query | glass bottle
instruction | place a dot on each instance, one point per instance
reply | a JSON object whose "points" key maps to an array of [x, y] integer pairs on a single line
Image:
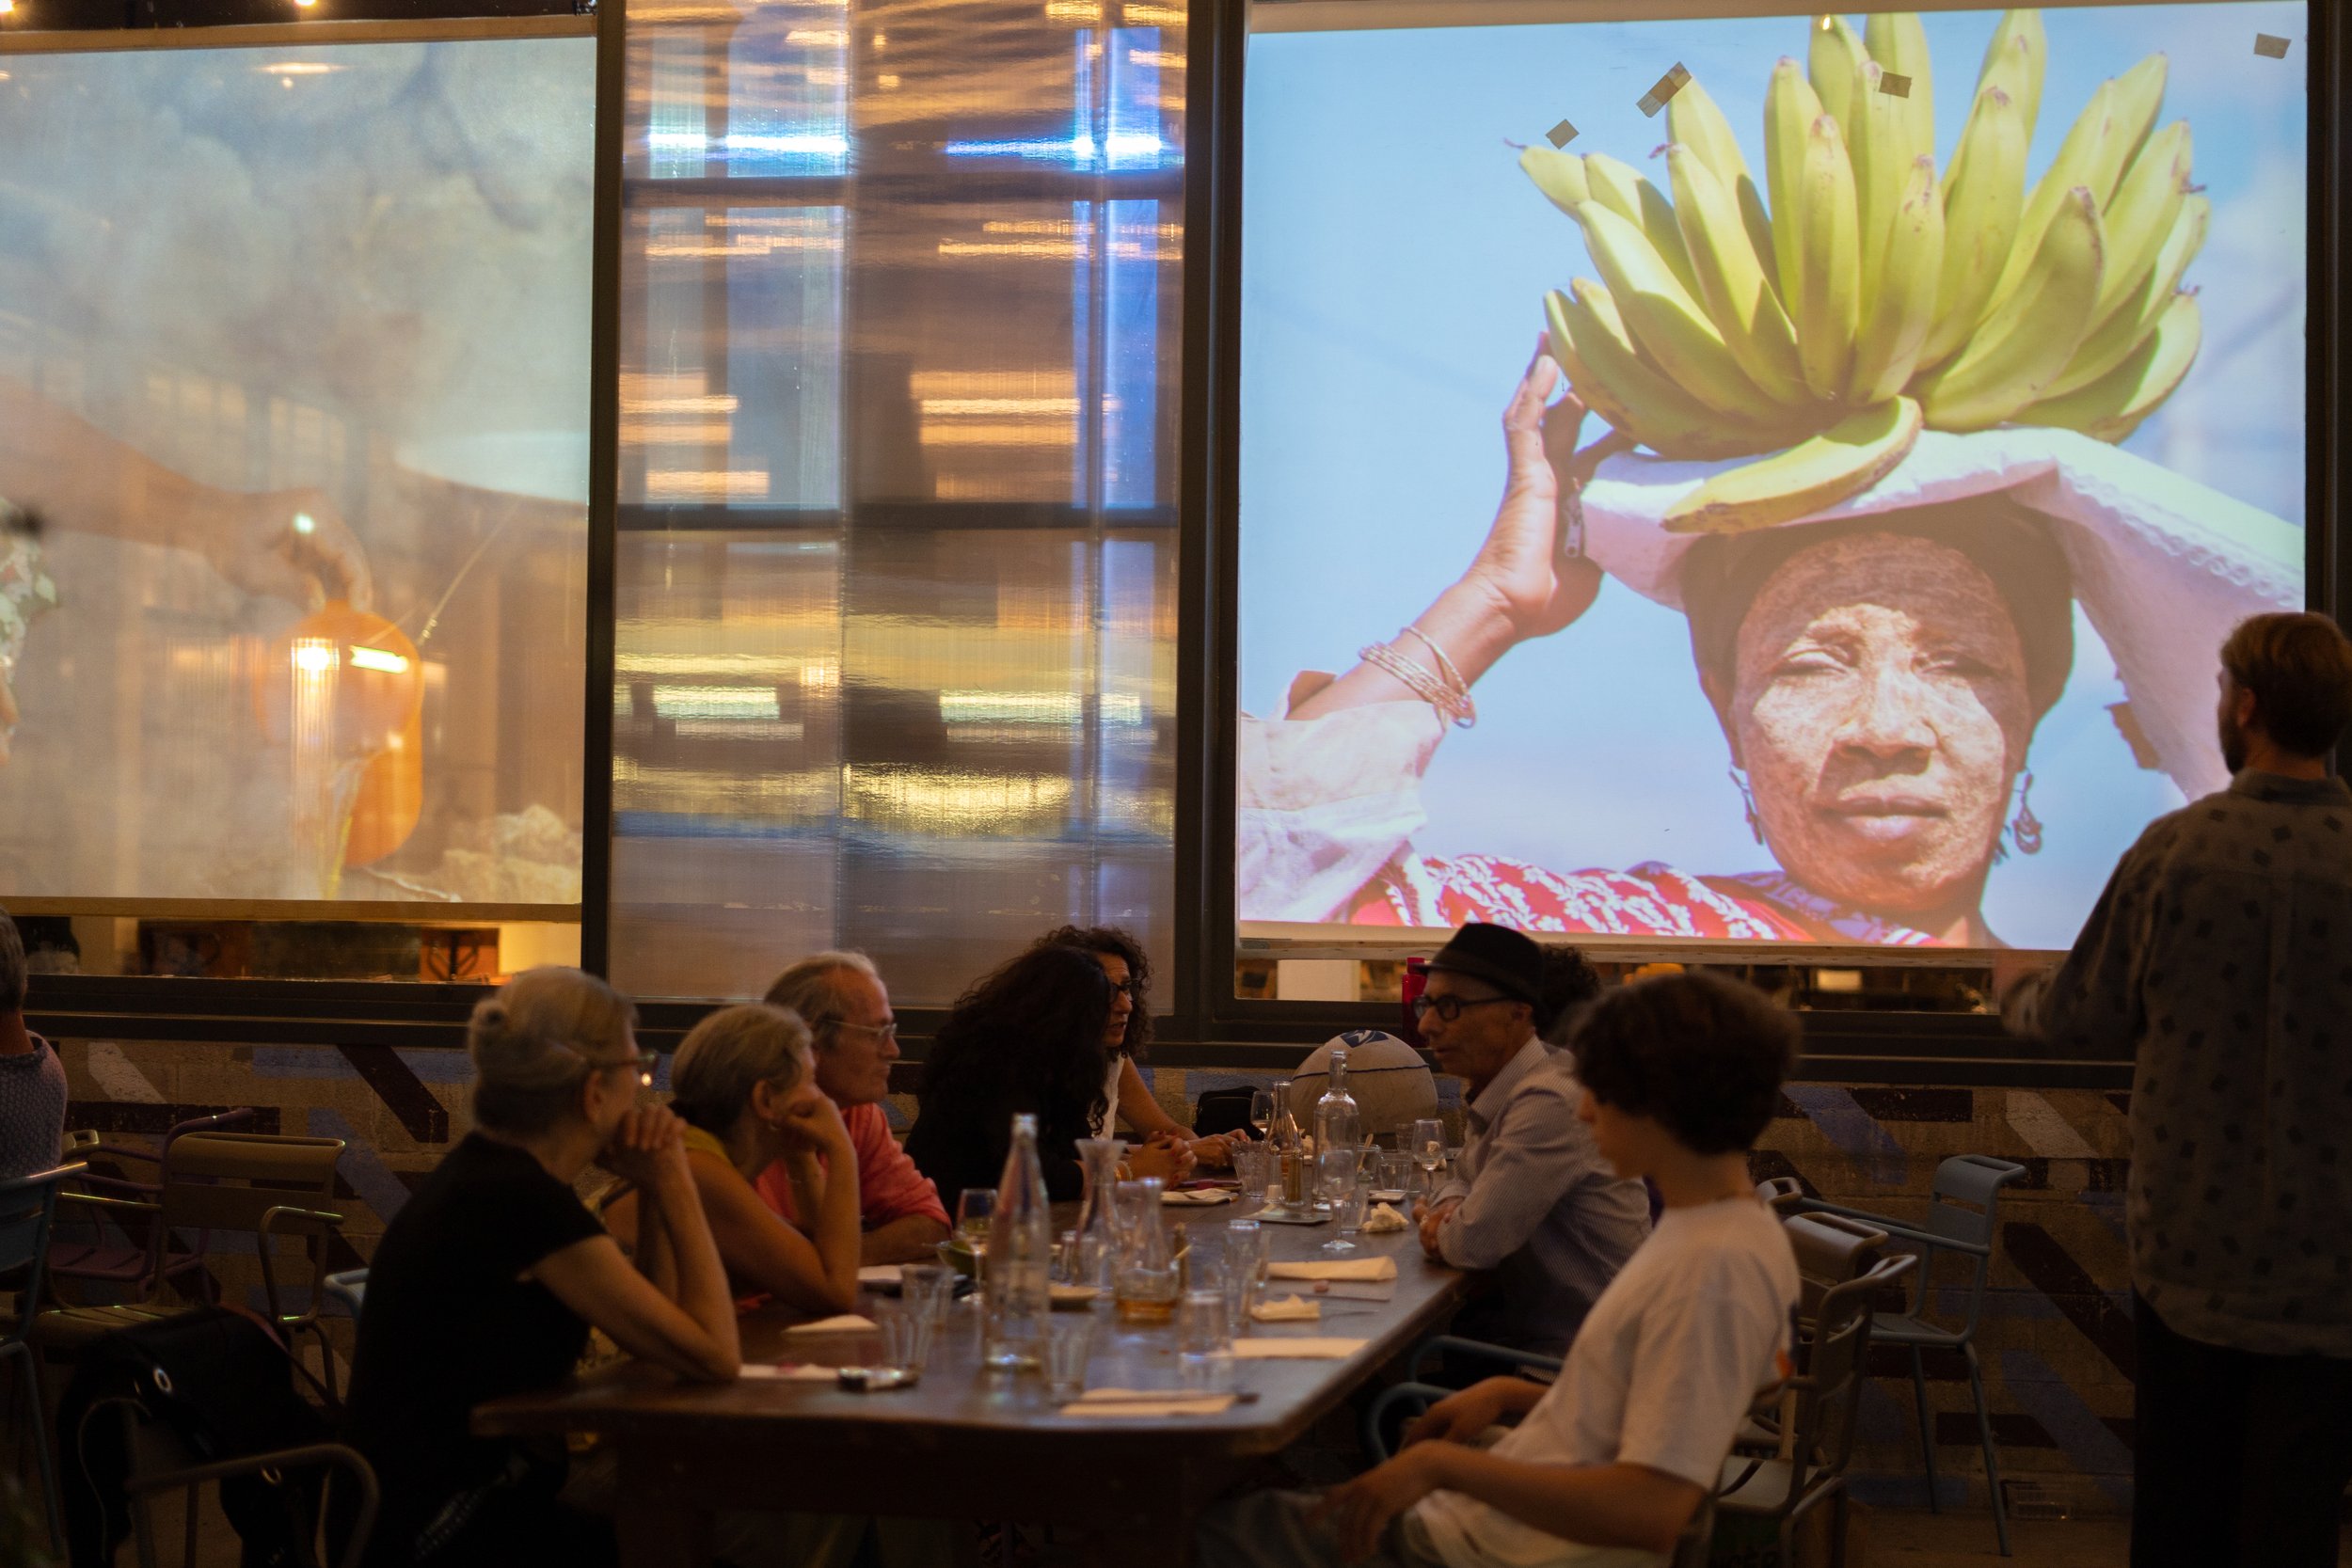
{"points": [[1017, 1293], [1338, 1123], [1148, 1285], [1094, 1255]]}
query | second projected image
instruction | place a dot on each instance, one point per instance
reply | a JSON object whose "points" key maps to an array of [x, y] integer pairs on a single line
{"points": [[1760, 479]]}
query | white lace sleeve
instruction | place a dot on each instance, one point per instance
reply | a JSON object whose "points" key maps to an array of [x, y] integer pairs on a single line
{"points": [[1324, 804]]}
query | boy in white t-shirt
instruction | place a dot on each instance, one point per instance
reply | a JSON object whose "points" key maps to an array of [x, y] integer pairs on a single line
{"points": [[1607, 1464]]}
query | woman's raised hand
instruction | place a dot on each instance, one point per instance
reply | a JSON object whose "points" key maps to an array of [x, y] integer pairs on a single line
{"points": [[812, 1123], [647, 1149], [1519, 564]]}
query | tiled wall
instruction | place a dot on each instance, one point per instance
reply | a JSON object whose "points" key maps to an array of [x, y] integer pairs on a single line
{"points": [[2056, 1340]]}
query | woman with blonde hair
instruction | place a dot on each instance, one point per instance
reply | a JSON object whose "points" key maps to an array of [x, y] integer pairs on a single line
{"points": [[746, 1088], [487, 1283]]}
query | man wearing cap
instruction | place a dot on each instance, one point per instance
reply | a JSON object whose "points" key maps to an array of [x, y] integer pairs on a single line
{"points": [[1531, 1204]]}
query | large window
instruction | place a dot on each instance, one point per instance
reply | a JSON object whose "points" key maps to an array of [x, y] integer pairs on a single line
{"points": [[293, 470], [895, 659]]}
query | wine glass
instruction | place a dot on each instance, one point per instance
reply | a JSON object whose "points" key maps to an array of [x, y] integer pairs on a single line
{"points": [[973, 1208], [1426, 1144], [1262, 1111], [1335, 1184]]}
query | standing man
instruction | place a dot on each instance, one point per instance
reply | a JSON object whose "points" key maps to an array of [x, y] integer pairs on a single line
{"points": [[841, 999], [32, 1080], [1531, 1204], [2220, 955]]}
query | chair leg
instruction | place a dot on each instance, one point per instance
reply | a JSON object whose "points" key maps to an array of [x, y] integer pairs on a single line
{"points": [[1927, 1433], [1984, 1433], [1839, 1518], [43, 1458]]}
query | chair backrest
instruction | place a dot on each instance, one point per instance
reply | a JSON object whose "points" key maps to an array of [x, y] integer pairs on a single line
{"points": [[28, 1209], [1829, 1396], [230, 1181], [1782, 1194], [1831, 1251], [1964, 1200]]}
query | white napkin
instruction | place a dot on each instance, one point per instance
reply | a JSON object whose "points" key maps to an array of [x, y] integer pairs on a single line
{"points": [[1071, 1295], [1382, 1219], [1296, 1350], [848, 1322], [1352, 1268], [792, 1374], [1388, 1195], [879, 1274], [1199, 1196], [1131, 1403], [1287, 1309]]}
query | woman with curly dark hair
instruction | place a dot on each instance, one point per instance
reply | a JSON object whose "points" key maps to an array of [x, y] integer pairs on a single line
{"points": [[1126, 1097], [1027, 1037]]}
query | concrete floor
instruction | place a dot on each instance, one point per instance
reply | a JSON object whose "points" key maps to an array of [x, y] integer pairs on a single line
{"points": [[1885, 1538]]}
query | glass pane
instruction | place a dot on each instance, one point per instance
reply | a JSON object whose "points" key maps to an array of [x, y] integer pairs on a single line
{"points": [[896, 643], [300, 398]]}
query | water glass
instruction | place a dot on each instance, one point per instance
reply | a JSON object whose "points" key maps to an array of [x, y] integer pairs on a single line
{"points": [[1426, 1145], [1257, 1166], [1240, 1280], [1336, 1186], [1068, 1344], [1352, 1205], [928, 1288], [1244, 1249], [906, 1335], [1201, 1333], [974, 1206], [1396, 1172]]}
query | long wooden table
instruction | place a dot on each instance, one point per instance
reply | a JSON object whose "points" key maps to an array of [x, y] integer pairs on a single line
{"points": [[967, 1444]]}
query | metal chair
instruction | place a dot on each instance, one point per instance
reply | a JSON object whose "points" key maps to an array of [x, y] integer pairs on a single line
{"points": [[141, 1258], [271, 1187], [1815, 1430], [1964, 1218], [28, 1207], [350, 1288]]}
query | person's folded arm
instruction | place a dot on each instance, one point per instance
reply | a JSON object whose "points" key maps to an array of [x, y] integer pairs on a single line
{"points": [[1593, 1505], [1539, 1150], [909, 1238], [604, 1288]]}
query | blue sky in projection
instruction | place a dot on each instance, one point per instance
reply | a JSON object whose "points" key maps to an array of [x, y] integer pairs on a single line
{"points": [[1394, 264]]}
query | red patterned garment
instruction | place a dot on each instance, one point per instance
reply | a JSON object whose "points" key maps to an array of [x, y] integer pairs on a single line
{"points": [[1650, 900]]}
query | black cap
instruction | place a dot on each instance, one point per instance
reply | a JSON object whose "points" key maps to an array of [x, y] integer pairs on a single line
{"points": [[1509, 960]]}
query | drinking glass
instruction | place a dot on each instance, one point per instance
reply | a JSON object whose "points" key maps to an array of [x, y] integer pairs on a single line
{"points": [[1240, 1280], [1426, 1144], [1353, 1205], [1255, 1164], [1204, 1342], [1131, 1205], [1335, 1184], [1246, 1247], [906, 1335], [1396, 1175], [1262, 1111], [1068, 1344], [973, 1209], [928, 1288]]}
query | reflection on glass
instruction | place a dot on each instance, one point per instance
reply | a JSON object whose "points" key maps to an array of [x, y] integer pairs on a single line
{"points": [[896, 634], [299, 397]]}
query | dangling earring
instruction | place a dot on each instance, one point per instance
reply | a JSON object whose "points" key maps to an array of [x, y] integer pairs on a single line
{"points": [[2025, 829], [1748, 797]]}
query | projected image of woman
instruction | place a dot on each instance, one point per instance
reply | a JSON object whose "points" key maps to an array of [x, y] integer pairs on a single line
{"points": [[1878, 680]]}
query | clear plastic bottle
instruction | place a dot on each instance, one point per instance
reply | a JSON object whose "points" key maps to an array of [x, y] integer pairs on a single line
{"points": [[1017, 1295]]}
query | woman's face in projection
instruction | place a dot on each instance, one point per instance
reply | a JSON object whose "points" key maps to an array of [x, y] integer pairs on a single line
{"points": [[1882, 711]]}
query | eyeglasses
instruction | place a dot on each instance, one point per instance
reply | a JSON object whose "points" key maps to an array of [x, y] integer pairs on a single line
{"points": [[643, 1062], [886, 1031], [1450, 1007], [1125, 988]]}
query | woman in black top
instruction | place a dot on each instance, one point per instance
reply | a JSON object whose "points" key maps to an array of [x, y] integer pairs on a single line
{"points": [[1027, 1037], [489, 1280]]}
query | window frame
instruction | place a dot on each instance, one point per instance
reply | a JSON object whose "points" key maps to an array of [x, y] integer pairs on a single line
{"points": [[1203, 1024]]}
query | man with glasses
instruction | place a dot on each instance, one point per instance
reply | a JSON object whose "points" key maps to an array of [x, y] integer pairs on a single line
{"points": [[841, 998], [1531, 1205]]}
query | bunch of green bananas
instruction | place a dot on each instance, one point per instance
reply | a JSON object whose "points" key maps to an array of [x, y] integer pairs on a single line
{"points": [[1874, 297]]}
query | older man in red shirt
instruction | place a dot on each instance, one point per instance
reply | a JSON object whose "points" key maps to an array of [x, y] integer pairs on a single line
{"points": [[841, 998]]}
